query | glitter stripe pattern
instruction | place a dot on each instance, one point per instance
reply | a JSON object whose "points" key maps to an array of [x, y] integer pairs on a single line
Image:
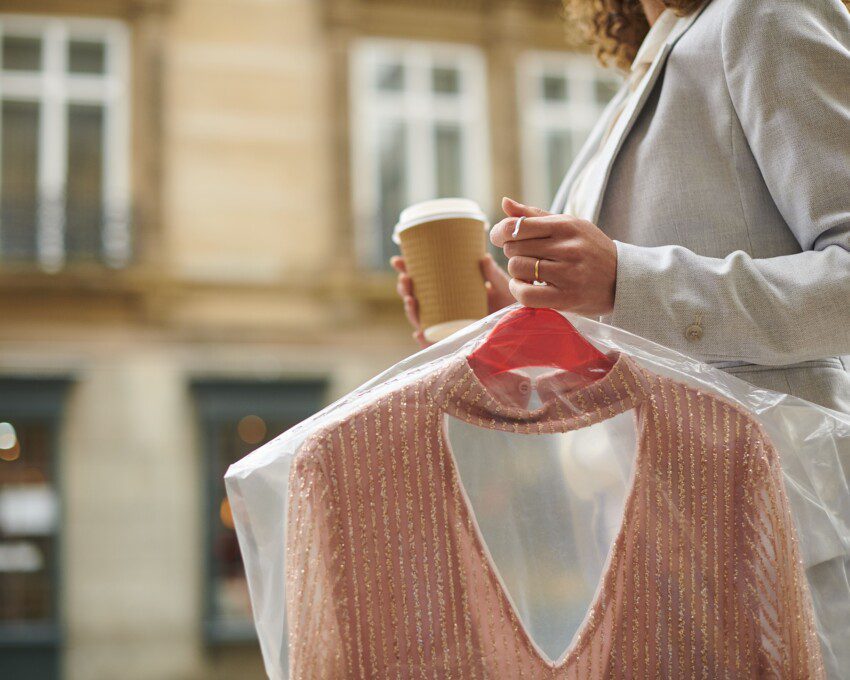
{"points": [[388, 576]]}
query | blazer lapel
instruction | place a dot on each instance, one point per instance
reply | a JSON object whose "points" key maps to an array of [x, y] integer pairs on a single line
{"points": [[598, 179]]}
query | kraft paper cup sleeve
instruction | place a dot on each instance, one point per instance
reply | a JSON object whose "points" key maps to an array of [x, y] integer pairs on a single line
{"points": [[443, 260]]}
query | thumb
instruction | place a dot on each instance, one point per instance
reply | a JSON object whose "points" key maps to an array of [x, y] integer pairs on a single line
{"points": [[513, 208], [492, 272], [497, 283]]}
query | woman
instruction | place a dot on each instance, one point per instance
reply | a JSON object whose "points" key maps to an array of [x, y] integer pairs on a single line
{"points": [[710, 209]]}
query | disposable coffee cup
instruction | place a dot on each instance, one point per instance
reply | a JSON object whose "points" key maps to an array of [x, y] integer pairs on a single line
{"points": [[442, 242]]}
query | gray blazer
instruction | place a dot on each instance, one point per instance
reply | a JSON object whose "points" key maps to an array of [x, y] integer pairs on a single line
{"points": [[729, 196]]}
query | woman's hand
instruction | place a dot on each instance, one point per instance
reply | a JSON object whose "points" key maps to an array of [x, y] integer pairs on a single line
{"points": [[495, 281], [577, 260]]}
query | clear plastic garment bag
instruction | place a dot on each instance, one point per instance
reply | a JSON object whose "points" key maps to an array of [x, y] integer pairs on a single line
{"points": [[544, 496]]}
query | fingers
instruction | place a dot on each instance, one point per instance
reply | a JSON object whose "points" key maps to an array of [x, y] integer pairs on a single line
{"points": [[545, 226], [535, 296], [491, 271], [562, 250], [514, 208], [496, 282], [522, 268], [411, 311], [531, 228], [419, 336], [404, 286], [398, 263]]}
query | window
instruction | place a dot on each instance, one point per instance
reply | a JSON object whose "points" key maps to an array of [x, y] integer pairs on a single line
{"points": [[419, 131], [560, 99], [29, 527], [64, 166], [236, 418]]}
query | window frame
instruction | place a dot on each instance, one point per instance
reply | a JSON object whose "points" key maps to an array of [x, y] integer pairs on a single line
{"points": [[218, 401], [420, 111], [538, 116], [37, 646], [54, 89]]}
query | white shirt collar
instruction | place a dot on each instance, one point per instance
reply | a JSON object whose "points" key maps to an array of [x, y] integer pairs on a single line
{"points": [[655, 39]]}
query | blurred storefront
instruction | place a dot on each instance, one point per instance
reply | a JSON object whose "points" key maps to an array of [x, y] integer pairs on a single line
{"points": [[195, 201]]}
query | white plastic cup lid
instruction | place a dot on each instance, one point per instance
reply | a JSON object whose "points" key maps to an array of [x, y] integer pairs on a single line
{"points": [[438, 209]]}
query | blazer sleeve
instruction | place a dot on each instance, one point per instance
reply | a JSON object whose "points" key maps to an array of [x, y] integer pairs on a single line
{"points": [[787, 67]]}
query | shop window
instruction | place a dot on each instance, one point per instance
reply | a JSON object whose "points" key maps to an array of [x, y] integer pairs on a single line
{"points": [[237, 417], [30, 528]]}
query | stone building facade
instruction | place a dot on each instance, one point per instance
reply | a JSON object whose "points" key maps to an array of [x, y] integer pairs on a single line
{"points": [[194, 204]]}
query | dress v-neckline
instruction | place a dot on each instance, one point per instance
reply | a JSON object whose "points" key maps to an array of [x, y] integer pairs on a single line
{"points": [[474, 393]]}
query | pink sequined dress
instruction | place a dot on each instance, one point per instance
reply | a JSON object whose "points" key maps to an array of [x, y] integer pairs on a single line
{"points": [[388, 575]]}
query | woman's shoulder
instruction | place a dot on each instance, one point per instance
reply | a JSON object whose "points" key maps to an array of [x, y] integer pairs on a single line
{"points": [[772, 23], [760, 38]]}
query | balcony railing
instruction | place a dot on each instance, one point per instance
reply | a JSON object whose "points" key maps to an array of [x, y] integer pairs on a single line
{"points": [[53, 233]]}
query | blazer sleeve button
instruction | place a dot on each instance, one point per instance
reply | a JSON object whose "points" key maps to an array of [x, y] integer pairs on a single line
{"points": [[694, 332]]}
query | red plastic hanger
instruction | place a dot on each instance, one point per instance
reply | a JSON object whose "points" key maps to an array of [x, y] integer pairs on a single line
{"points": [[529, 337]]}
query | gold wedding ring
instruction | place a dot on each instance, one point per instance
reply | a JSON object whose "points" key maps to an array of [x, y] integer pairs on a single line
{"points": [[537, 272]]}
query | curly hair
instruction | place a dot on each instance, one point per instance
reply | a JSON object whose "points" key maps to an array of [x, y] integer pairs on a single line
{"points": [[616, 28]]}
